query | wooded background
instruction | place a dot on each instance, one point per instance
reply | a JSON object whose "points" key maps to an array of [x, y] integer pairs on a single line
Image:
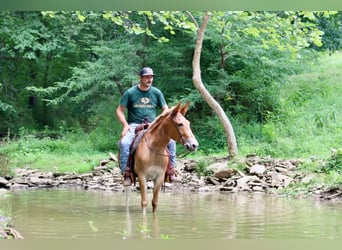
{"points": [[66, 71]]}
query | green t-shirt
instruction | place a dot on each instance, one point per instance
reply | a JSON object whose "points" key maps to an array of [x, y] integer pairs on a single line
{"points": [[141, 104]]}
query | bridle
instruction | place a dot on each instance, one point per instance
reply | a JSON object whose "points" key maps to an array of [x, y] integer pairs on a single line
{"points": [[179, 133], [156, 152]]}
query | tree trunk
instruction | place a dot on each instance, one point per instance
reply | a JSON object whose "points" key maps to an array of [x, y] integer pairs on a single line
{"points": [[197, 80]]}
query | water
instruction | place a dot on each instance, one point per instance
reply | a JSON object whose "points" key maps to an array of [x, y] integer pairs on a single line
{"points": [[71, 213]]}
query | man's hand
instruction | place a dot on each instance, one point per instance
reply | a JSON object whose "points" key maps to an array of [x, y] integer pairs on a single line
{"points": [[124, 131]]}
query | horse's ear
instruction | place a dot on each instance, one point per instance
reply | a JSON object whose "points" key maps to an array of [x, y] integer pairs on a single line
{"points": [[176, 110], [184, 109]]}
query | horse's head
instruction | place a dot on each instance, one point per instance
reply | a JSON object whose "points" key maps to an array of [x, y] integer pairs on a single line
{"points": [[183, 133]]}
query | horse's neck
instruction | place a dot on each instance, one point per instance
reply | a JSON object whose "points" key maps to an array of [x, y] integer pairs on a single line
{"points": [[158, 137]]}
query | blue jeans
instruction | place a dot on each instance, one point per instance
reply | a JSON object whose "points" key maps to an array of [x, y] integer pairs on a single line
{"points": [[126, 141]]}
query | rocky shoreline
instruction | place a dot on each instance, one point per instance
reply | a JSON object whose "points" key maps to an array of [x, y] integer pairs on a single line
{"points": [[252, 174]]}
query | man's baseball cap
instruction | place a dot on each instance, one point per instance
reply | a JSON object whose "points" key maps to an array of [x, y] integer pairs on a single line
{"points": [[146, 71]]}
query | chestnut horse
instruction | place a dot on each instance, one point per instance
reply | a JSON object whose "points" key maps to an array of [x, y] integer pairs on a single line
{"points": [[151, 156]]}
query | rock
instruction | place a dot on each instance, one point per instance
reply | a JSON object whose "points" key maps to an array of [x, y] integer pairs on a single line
{"points": [[190, 166], [9, 233], [307, 179], [257, 169], [213, 180], [251, 174], [104, 162], [281, 170], [201, 183], [257, 188], [280, 180], [334, 195], [3, 182], [70, 177], [230, 183], [242, 183], [86, 176], [204, 189], [16, 186], [225, 188], [113, 157], [251, 160], [224, 174], [217, 166], [100, 168]]}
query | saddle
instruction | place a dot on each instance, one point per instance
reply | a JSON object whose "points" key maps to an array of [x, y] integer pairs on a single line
{"points": [[129, 171]]}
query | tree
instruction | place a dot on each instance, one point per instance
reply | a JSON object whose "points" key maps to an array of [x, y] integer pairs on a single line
{"points": [[261, 31], [197, 80]]}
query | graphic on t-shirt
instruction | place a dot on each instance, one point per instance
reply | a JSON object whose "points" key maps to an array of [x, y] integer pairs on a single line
{"points": [[144, 102]]}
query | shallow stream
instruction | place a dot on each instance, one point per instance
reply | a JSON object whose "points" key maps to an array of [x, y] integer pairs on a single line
{"points": [[73, 213]]}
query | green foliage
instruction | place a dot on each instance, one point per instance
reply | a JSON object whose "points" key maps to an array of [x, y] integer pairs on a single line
{"points": [[169, 20], [4, 107], [308, 120], [5, 212], [201, 169], [92, 226], [4, 165], [334, 162], [332, 27], [166, 237], [319, 173], [210, 135], [76, 65], [104, 130], [72, 152]]}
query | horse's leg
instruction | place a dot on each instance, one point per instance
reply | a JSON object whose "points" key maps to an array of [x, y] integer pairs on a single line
{"points": [[155, 226], [127, 191], [143, 192], [156, 189], [128, 224]]}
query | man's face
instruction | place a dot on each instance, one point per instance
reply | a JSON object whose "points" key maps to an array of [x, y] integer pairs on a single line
{"points": [[146, 80]]}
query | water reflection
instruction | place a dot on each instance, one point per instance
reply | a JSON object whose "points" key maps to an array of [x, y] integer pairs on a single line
{"points": [[103, 215]]}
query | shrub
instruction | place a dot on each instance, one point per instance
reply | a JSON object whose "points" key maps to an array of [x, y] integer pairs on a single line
{"points": [[334, 162]]}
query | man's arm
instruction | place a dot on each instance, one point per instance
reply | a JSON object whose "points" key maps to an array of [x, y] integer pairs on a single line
{"points": [[121, 117], [164, 108]]}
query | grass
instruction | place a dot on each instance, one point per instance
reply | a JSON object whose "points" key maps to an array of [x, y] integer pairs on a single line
{"points": [[308, 122], [73, 153], [5, 212]]}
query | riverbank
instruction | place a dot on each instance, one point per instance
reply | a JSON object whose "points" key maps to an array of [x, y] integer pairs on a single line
{"points": [[214, 174], [250, 174]]}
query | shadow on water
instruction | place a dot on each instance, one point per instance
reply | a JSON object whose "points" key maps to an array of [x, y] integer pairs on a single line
{"points": [[68, 213]]}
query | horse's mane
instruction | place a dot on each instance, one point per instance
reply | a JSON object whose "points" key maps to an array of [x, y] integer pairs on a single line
{"points": [[160, 118]]}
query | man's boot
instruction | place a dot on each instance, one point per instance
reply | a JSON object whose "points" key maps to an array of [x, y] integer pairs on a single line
{"points": [[171, 175], [127, 177]]}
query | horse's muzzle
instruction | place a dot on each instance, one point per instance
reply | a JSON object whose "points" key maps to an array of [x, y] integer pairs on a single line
{"points": [[191, 145]]}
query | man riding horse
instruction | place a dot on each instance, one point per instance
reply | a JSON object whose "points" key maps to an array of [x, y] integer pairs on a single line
{"points": [[141, 102]]}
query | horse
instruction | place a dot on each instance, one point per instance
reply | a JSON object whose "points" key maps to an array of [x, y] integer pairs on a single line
{"points": [[151, 156]]}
